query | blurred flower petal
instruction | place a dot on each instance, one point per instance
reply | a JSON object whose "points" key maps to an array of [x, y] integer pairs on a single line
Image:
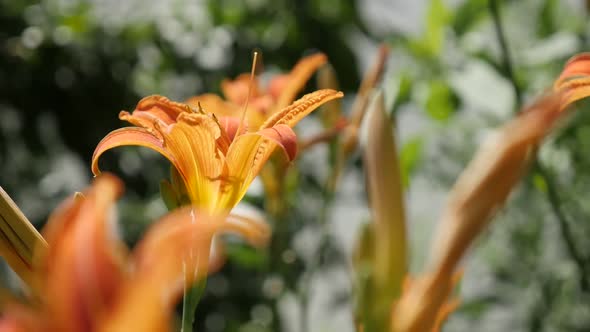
{"points": [[285, 87]]}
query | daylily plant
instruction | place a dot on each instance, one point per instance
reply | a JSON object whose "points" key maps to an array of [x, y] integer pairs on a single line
{"points": [[423, 303], [86, 280], [482, 188], [216, 157], [479, 192]]}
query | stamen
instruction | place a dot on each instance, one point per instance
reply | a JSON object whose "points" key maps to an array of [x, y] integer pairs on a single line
{"points": [[248, 96], [198, 109]]}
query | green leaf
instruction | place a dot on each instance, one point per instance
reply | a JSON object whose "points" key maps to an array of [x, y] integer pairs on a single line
{"points": [[410, 154], [539, 183], [192, 296], [431, 43], [400, 89], [467, 14], [440, 104], [547, 25]]}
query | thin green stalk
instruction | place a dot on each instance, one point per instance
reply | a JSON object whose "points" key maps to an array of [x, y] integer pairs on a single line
{"points": [[564, 226], [506, 58], [192, 295]]}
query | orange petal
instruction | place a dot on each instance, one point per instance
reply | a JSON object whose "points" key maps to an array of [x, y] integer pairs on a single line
{"points": [[18, 318], [576, 92], [155, 110], [292, 114], [284, 136], [82, 269], [193, 143], [577, 66], [253, 228], [574, 80], [230, 125], [489, 178], [212, 103], [285, 88], [178, 243], [480, 191], [246, 156], [236, 91], [424, 305], [129, 136]]}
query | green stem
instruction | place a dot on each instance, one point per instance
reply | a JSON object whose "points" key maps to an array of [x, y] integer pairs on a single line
{"points": [[564, 226], [506, 58], [190, 300]]}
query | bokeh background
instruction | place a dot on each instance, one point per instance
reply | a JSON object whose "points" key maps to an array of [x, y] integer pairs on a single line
{"points": [[67, 67]]}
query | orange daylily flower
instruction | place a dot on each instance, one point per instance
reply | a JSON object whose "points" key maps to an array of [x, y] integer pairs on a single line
{"points": [[482, 188], [215, 161], [86, 281], [574, 80], [263, 102]]}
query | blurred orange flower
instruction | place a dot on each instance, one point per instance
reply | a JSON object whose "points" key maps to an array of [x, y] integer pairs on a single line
{"points": [[216, 163], [87, 281], [263, 102], [482, 188]]}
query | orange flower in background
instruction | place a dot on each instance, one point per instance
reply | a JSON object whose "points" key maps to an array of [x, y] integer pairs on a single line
{"points": [[263, 102], [479, 192], [87, 281], [574, 80], [216, 163]]}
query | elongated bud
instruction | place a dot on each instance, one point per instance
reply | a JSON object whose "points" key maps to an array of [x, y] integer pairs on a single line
{"points": [[384, 187], [388, 263]]}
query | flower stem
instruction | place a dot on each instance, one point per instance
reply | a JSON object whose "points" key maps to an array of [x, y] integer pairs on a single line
{"points": [[506, 58], [564, 226]]}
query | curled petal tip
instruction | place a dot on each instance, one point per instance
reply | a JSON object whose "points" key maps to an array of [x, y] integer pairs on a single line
{"points": [[128, 136], [285, 137]]}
